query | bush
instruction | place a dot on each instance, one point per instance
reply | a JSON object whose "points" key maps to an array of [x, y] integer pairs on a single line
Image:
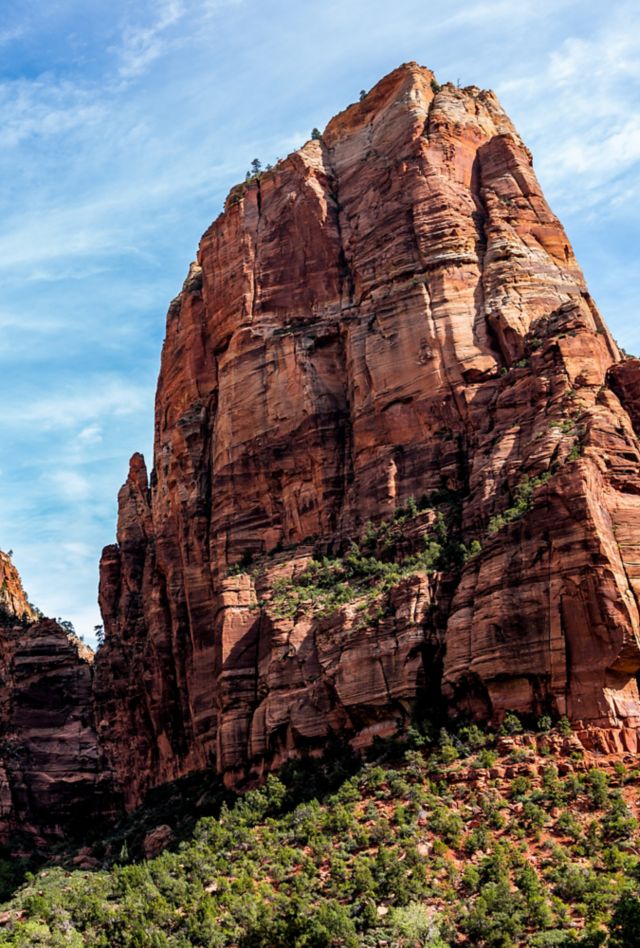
{"points": [[624, 930], [523, 501], [309, 858], [564, 726], [511, 724], [418, 923], [496, 919]]}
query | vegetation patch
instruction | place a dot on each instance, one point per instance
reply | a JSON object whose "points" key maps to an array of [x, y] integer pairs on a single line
{"points": [[471, 839], [523, 501], [372, 567]]}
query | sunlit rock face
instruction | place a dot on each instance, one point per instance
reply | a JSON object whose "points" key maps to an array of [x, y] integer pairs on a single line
{"points": [[13, 599], [393, 311]]}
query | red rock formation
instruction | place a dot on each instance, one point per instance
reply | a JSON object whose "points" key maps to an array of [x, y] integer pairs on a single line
{"points": [[13, 599], [392, 311], [52, 775]]}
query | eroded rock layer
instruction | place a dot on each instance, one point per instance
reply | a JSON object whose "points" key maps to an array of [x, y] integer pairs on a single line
{"points": [[53, 779], [392, 312]]}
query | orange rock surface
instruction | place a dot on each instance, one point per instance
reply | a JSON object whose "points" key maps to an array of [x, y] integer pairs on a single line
{"points": [[13, 599], [393, 311]]}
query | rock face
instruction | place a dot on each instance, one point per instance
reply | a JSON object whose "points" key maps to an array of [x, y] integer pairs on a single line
{"points": [[391, 312], [52, 776], [14, 604]]}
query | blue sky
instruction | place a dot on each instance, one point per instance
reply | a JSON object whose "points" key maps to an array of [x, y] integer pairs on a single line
{"points": [[124, 124]]}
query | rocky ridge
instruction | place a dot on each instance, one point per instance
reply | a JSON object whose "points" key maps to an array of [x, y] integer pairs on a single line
{"points": [[389, 327]]}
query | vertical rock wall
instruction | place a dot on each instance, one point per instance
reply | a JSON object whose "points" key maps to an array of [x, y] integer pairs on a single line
{"points": [[393, 311]]}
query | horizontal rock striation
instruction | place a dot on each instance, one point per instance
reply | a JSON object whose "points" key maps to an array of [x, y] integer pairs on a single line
{"points": [[53, 777], [392, 312]]}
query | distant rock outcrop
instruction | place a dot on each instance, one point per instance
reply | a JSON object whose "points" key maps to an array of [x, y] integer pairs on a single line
{"points": [[52, 777], [14, 604], [392, 312]]}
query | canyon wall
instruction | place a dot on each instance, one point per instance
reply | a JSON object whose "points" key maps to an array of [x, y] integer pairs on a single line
{"points": [[389, 326], [53, 778]]}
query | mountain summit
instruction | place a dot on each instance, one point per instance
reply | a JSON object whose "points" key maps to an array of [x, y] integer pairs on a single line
{"points": [[396, 462]]}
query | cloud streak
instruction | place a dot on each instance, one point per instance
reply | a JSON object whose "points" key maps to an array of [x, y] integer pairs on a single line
{"points": [[142, 45], [119, 141]]}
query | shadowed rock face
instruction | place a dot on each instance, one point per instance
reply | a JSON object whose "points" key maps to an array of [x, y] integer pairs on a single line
{"points": [[392, 311], [52, 777]]}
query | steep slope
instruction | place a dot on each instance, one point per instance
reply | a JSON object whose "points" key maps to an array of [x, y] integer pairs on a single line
{"points": [[505, 841], [389, 327]]}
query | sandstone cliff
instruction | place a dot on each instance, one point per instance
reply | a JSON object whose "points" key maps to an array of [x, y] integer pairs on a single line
{"points": [[386, 339], [52, 776], [14, 605]]}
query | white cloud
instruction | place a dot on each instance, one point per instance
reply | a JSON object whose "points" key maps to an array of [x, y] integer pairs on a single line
{"points": [[44, 107], [580, 112], [92, 434], [70, 485], [97, 398], [8, 36], [142, 45]]}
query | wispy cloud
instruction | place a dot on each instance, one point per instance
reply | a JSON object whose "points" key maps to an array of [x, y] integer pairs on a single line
{"points": [[43, 108], [64, 410], [142, 44], [582, 108], [118, 141], [10, 35]]}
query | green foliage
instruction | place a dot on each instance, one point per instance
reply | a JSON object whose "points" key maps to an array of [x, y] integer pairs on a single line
{"points": [[328, 583], [486, 758], [618, 822], [420, 851], [564, 726], [523, 501], [625, 924], [496, 918], [417, 924], [575, 453], [511, 724], [472, 550], [597, 783]]}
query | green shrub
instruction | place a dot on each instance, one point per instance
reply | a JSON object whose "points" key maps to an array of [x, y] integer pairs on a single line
{"points": [[624, 929], [523, 502], [511, 724], [496, 918], [417, 923], [564, 726]]}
